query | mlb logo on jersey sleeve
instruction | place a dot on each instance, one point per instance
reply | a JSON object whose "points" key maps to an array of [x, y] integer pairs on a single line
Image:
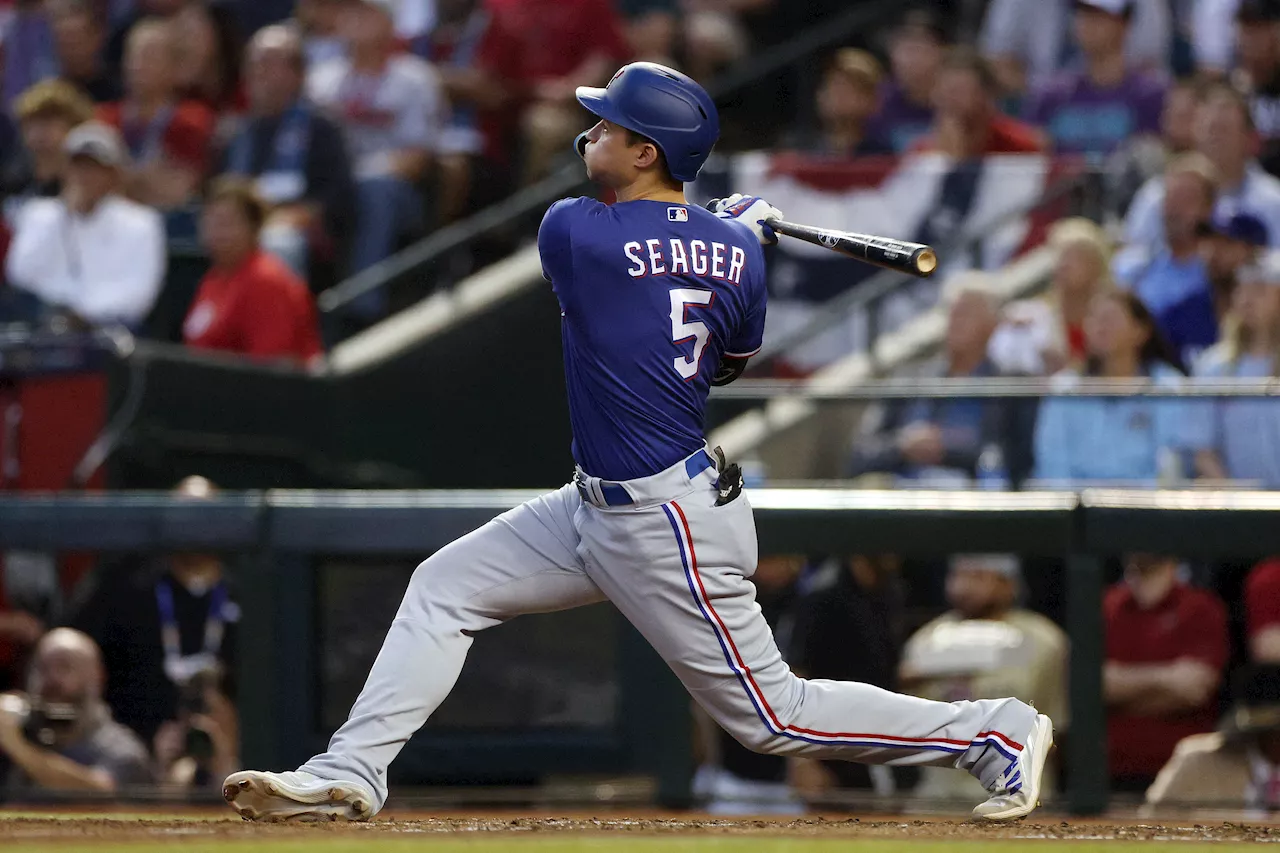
{"points": [[677, 214]]}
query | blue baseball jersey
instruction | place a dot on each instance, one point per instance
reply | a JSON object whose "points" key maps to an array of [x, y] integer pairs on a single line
{"points": [[652, 295]]}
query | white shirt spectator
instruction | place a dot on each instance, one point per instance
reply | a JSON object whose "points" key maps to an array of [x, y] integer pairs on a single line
{"points": [[107, 267], [404, 107], [1258, 194], [1038, 32]]}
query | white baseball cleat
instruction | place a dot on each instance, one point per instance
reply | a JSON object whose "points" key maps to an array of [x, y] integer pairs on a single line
{"points": [[1018, 792], [295, 795]]}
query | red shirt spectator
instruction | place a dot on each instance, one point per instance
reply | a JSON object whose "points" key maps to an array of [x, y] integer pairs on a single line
{"points": [[967, 121], [1262, 611], [260, 309], [181, 132], [249, 302], [1164, 662]]}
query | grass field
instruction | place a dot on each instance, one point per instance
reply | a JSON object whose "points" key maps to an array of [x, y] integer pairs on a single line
{"points": [[209, 832]]}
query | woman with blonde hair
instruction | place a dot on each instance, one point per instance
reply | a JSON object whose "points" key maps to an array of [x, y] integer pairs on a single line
{"points": [[1046, 335], [1239, 438]]}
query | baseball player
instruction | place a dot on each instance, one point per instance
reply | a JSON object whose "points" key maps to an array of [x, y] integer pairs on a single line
{"points": [[660, 300]]}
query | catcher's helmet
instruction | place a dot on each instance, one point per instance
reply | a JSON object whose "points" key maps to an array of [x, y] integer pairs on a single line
{"points": [[661, 103]]}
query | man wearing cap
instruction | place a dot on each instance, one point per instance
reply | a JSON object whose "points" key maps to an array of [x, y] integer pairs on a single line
{"points": [[1236, 767], [1105, 103], [90, 253], [1227, 245], [985, 646], [1238, 438], [1028, 41], [916, 50], [845, 101]]}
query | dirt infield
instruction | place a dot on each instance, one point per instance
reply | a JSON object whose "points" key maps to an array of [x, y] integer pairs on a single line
{"points": [[61, 830]]}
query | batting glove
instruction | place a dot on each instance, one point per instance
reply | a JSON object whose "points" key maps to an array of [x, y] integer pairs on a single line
{"points": [[752, 212]]}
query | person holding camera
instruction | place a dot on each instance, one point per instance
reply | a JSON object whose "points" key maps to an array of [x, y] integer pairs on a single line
{"points": [[59, 734], [167, 628]]}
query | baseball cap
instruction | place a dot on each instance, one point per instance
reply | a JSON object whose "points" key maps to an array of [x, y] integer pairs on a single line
{"points": [[858, 65], [1111, 7], [97, 141], [1265, 270], [1258, 11], [1244, 227]]}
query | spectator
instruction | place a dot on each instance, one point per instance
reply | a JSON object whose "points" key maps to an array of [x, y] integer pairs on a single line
{"points": [[983, 648], [1166, 646], [168, 139], [1225, 135], [249, 302], [90, 253], [295, 154], [478, 63], [210, 46], [563, 44], [938, 439], [1237, 766], [1173, 280], [916, 50], [1106, 103], [59, 736], [1227, 246], [392, 111], [1039, 337], [845, 101], [167, 629], [46, 114], [79, 37], [1258, 48], [1028, 40], [125, 21], [715, 34], [1239, 438], [27, 53], [1081, 439], [1262, 611], [967, 123]]}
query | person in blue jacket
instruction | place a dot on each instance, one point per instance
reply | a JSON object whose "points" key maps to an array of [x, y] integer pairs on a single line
{"points": [[1117, 440]]}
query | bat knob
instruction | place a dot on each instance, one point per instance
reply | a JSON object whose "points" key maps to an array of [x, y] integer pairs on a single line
{"points": [[711, 205]]}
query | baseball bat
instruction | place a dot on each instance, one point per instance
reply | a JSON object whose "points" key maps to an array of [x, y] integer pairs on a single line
{"points": [[913, 258]]}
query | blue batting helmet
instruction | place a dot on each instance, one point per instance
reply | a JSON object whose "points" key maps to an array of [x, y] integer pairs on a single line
{"points": [[666, 106]]}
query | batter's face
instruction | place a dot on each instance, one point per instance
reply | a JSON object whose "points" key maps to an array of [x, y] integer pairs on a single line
{"points": [[612, 158]]}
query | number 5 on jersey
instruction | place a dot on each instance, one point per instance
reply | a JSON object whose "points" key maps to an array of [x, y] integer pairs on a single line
{"points": [[683, 331]]}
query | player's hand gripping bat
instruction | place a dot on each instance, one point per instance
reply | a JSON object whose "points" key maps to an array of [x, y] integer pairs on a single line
{"points": [[913, 258]]}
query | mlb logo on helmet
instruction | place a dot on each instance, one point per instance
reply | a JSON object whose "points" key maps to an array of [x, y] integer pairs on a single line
{"points": [[677, 214]]}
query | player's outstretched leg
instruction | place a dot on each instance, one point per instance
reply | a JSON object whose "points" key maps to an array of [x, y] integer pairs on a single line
{"points": [[677, 572], [524, 561]]}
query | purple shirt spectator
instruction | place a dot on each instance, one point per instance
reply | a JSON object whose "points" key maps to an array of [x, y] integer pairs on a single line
{"points": [[1083, 118], [28, 50], [899, 122]]}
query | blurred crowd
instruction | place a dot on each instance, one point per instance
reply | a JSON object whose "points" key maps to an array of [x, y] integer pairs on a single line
{"points": [[286, 147]]}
